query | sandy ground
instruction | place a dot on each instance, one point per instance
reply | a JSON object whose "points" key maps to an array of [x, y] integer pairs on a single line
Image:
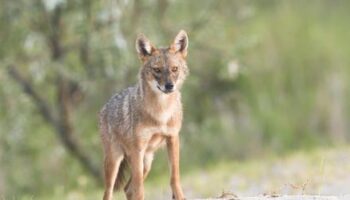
{"points": [[293, 197], [321, 172]]}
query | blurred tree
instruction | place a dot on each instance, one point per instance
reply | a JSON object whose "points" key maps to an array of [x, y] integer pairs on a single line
{"points": [[266, 76]]}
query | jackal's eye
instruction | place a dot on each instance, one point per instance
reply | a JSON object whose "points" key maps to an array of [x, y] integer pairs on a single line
{"points": [[174, 69], [157, 70]]}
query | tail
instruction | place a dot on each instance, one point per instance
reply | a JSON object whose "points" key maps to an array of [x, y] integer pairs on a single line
{"points": [[121, 177]]}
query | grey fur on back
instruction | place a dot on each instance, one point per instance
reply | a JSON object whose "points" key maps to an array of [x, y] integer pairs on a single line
{"points": [[121, 110]]}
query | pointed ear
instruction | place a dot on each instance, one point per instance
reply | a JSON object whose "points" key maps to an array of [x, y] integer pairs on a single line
{"points": [[144, 47], [180, 43]]}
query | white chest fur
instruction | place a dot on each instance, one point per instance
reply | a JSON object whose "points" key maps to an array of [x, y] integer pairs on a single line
{"points": [[164, 110], [164, 116]]}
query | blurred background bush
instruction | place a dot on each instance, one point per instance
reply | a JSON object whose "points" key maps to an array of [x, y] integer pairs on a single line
{"points": [[267, 77]]}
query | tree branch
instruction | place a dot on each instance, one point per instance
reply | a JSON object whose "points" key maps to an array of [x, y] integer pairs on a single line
{"points": [[62, 125], [27, 87]]}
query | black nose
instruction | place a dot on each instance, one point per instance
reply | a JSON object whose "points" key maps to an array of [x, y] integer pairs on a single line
{"points": [[169, 86]]}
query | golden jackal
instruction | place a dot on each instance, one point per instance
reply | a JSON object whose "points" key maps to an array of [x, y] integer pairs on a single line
{"points": [[138, 120]]}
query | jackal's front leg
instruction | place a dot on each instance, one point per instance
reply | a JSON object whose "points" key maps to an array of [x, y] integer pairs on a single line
{"points": [[135, 189], [174, 157]]}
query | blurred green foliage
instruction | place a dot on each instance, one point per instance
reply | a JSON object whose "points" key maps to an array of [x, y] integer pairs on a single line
{"points": [[266, 76]]}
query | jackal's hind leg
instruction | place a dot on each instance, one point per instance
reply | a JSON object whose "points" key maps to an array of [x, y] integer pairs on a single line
{"points": [[147, 164]]}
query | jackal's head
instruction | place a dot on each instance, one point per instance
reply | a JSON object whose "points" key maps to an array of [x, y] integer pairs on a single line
{"points": [[164, 69]]}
